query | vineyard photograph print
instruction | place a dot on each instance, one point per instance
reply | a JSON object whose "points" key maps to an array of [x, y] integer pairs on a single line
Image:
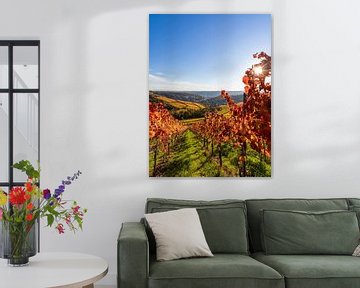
{"points": [[210, 95]]}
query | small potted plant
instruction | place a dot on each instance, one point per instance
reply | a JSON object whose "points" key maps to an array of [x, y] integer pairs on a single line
{"points": [[21, 208]]}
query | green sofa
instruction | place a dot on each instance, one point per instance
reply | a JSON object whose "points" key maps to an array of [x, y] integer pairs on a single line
{"points": [[233, 230]]}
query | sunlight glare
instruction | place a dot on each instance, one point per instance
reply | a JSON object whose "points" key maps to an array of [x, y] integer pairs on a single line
{"points": [[258, 70]]}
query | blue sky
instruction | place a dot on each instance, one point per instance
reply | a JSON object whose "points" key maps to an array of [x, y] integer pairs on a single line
{"points": [[204, 51]]}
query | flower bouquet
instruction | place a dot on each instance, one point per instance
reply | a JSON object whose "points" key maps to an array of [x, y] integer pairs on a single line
{"points": [[21, 208]]}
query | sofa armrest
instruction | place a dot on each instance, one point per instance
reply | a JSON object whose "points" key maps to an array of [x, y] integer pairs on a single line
{"points": [[133, 256]]}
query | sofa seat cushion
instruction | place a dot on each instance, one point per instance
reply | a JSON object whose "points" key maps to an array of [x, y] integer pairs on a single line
{"points": [[313, 271], [222, 270]]}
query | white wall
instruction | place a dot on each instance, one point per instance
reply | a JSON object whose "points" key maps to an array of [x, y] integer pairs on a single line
{"points": [[94, 105]]}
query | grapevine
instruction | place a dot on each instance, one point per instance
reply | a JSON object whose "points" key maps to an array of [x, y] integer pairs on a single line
{"points": [[252, 117], [163, 130]]}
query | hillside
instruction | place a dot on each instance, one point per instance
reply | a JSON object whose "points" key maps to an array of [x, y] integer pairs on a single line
{"points": [[179, 104], [178, 108], [205, 98], [183, 96], [190, 111], [217, 101]]}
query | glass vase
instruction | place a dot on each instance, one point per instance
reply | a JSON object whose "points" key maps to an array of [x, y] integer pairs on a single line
{"points": [[18, 242]]}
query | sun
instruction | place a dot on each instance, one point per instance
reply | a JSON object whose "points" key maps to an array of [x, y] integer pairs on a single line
{"points": [[258, 70]]}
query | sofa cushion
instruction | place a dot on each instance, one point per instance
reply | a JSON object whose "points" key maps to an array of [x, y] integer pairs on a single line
{"points": [[254, 207], [222, 270], [223, 221], [314, 271], [353, 201], [178, 234], [297, 232], [354, 205], [356, 209]]}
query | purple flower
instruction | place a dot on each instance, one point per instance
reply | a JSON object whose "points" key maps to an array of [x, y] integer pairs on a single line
{"points": [[64, 183], [58, 192], [46, 194]]}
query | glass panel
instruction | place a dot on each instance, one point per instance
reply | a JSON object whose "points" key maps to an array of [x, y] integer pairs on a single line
{"points": [[4, 67], [4, 137], [5, 189], [25, 67], [26, 130]]}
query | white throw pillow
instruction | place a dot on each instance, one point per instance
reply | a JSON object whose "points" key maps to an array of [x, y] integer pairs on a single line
{"points": [[178, 234], [357, 251]]}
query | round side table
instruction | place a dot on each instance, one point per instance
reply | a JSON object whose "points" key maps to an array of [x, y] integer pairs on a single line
{"points": [[50, 270]]}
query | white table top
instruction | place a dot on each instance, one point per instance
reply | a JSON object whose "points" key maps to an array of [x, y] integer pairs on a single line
{"points": [[68, 270]]}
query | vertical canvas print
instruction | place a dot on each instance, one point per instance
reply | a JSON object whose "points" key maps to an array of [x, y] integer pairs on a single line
{"points": [[210, 95]]}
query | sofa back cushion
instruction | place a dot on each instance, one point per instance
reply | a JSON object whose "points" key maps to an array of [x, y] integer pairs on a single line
{"points": [[223, 221], [298, 232], [353, 201], [354, 205], [255, 206]]}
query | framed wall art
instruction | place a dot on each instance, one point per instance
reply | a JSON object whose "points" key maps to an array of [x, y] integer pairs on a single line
{"points": [[210, 95]]}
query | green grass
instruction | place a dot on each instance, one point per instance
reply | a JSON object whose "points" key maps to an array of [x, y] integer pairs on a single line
{"points": [[188, 158], [254, 166]]}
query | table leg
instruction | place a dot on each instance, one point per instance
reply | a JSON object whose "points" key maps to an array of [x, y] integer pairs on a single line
{"points": [[89, 286]]}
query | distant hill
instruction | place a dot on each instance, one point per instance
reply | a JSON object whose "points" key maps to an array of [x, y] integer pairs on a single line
{"points": [[178, 108], [179, 95], [185, 105], [212, 94], [219, 100], [207, 98], [171, 103]]}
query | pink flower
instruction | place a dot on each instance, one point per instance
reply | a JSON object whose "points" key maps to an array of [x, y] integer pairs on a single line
{"points": [[68, 219], [1, 212], [60, 228], [75, 209]]}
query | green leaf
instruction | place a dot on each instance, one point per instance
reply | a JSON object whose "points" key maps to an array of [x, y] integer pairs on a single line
{"points": [[52, 211], [26, 167], [79, 221], [50, 219]]}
